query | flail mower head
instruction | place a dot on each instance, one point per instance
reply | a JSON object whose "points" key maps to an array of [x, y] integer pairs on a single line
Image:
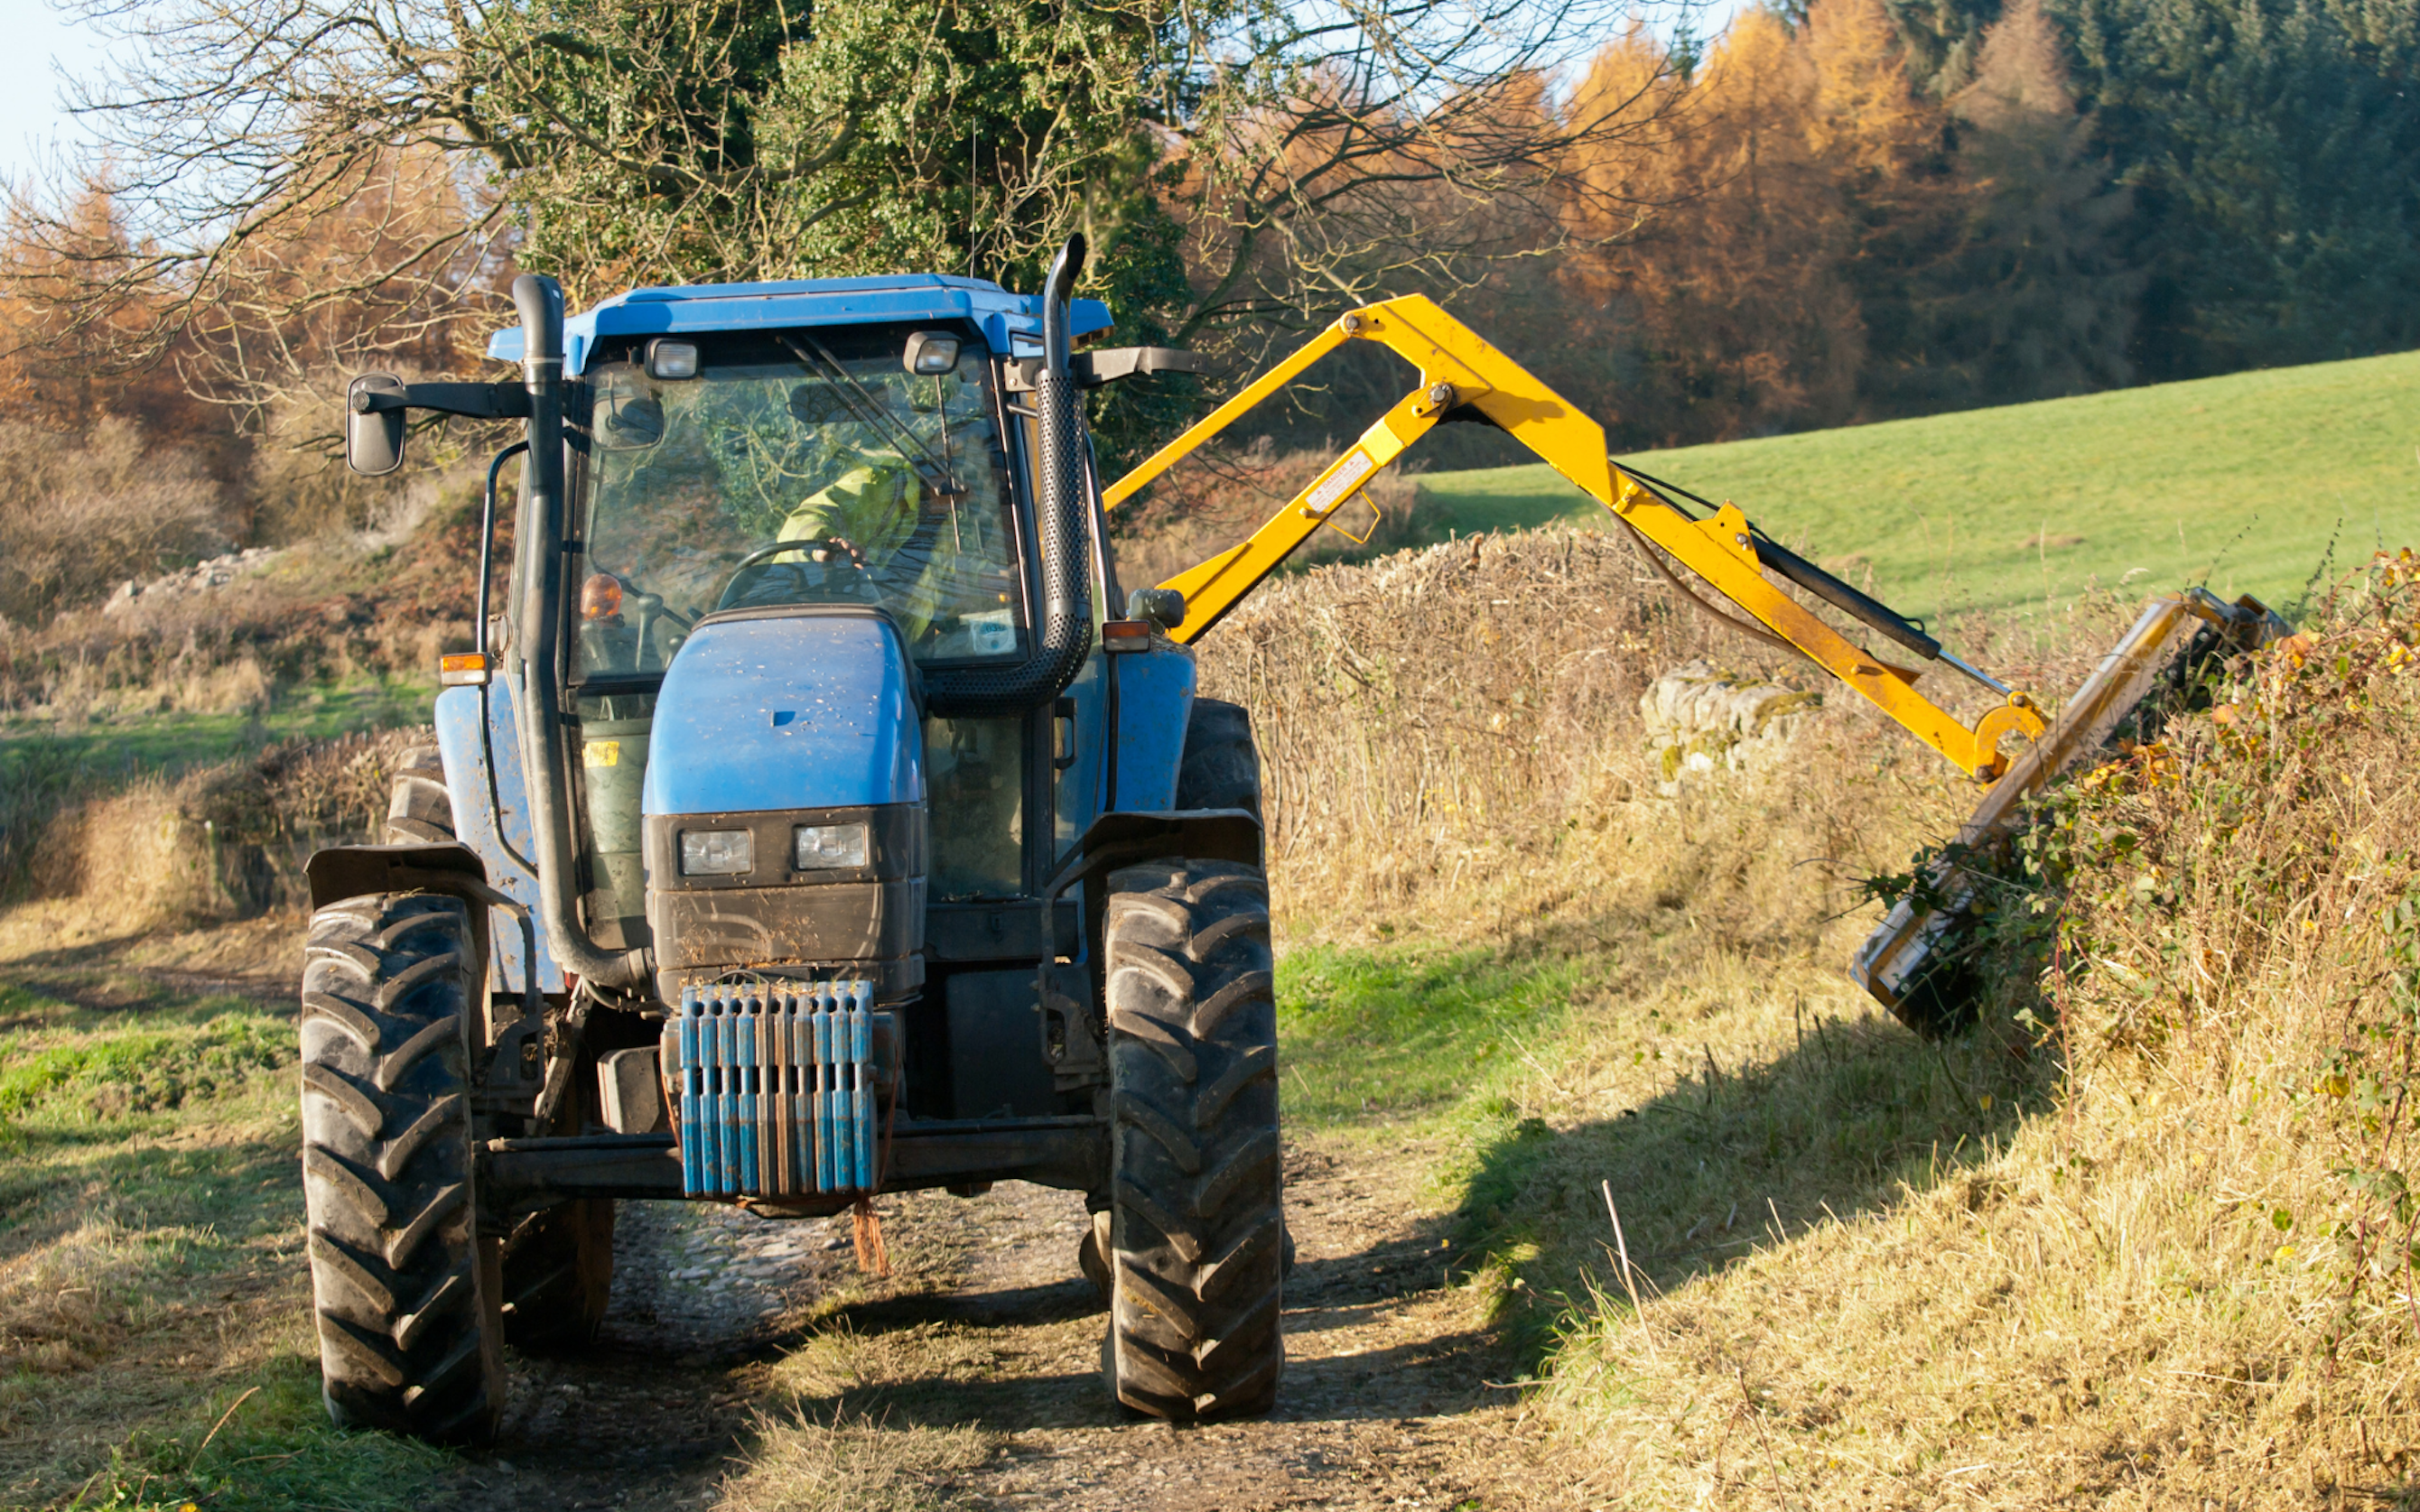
{"points": [[1919, 962]]}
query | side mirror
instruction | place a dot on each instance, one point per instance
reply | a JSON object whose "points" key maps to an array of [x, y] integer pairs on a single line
{"points": [[1163, 606], [374, 431]]}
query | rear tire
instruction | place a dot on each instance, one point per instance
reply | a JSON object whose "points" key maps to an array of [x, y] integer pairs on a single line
{"points": [[1196, 1237], [407, 1311], [419, 810], [1220, 768]]}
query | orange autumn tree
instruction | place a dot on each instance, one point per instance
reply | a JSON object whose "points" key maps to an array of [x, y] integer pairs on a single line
{"points": [[1728, 282], [67, 321], [1823, 243]]}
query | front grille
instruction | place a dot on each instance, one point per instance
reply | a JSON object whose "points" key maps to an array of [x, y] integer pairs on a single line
{"points": [[777, 1089]]}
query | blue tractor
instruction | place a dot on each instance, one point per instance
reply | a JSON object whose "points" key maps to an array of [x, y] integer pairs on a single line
{"points": [[807, 824]]}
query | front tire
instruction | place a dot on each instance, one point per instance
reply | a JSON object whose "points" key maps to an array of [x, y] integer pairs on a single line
{"points": [[1196, 1232], [406, 1303], [558, 1271]]}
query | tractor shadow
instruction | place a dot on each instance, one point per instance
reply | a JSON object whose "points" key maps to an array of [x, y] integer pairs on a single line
{"points": [[1025, 1358], [1731, 1161], [1391, 1314], [1013, 1341]]}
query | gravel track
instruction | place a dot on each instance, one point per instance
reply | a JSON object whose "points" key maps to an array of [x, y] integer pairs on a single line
{"points": [[721, 1322]]}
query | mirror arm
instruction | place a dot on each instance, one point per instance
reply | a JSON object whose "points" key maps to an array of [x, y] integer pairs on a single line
{"points": [[479, 401], [1092, 369]]}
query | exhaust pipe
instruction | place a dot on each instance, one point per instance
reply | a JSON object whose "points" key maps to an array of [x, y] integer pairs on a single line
{"points": [[539, 640], [1066, 637]]}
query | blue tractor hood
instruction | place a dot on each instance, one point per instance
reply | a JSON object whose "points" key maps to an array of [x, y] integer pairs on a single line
{"points": [[791, 710]]}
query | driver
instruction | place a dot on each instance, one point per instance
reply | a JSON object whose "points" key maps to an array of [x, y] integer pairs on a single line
{"points": [[871, 507], [871, 510]]}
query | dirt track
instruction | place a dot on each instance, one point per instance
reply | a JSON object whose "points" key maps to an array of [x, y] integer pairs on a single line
{"points": [[721, 1323]]}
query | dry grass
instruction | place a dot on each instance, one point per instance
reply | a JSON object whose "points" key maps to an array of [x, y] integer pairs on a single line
{"points": [[2144, 1239], [854, 1465], [225, 841], [319, 617], [78, 513], [379, 593], [1451, 740], [70, 1304], [2169, 1267]]}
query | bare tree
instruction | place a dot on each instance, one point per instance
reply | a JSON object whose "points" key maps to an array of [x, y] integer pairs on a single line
{"points": [[1339, 152], [318, 183]]}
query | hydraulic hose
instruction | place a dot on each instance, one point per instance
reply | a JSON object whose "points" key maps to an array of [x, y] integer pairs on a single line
{"points": [[543, 557], [1066, 637]]}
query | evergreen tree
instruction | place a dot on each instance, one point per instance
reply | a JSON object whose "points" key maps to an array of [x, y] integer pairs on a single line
{"points": [[1887, 147], [2039, 300], [2275, 150], [735, 144], [1941, 41]]}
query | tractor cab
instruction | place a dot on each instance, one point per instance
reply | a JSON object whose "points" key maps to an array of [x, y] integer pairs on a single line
{"points": [[805, 579]]}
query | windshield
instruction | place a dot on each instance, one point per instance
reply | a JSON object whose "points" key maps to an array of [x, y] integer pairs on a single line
{"points": [[811, 468]]}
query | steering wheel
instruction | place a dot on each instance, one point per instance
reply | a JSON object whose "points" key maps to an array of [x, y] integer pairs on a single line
{"points": [[828, 542], [839, 550]]}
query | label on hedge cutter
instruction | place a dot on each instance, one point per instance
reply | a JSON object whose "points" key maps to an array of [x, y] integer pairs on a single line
{"points": [[1339, 484]]}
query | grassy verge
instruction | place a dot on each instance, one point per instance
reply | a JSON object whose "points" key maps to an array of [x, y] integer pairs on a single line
{"points": [[1410, 1030], [2248, 479], [153, 1348], [1725, 1099], [164, 742], [2146, 1238], [2143, 1239]]}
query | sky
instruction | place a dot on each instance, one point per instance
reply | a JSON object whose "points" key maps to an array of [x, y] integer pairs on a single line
{"points": [[40, 43]]}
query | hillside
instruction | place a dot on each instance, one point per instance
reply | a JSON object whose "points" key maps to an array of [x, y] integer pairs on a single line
{"points": [[2141, 1239], [2247, 480], [2143, 1236]]}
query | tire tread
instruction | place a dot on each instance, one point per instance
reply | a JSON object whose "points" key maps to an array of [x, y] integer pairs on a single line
{"points": [[409, 1339], [1196, 1196]]}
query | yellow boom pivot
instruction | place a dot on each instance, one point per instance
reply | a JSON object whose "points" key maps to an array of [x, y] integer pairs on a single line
{"points": [[1458, 368]]}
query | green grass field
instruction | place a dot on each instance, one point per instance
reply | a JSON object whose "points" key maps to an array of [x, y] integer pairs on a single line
{"points": [[2244, 482]]}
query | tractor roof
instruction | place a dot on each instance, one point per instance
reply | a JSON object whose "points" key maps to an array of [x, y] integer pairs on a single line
{"points": [[1010, 323]]}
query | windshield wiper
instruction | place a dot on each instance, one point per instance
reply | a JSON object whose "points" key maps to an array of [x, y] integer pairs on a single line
{"points": [[870, 410]]}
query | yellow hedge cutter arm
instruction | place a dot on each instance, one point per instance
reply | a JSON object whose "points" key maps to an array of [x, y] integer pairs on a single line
{"points": [[1457, 368], [1913, 963]]}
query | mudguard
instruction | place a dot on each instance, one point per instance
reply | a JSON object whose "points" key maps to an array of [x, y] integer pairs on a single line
{"points": [[1155, 699], [491, 813], [337, 872]]}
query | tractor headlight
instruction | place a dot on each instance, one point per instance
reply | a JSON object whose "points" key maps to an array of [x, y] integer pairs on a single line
{"points": [[930, 352], [672, 359], [707, 852], [831, 847]]}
